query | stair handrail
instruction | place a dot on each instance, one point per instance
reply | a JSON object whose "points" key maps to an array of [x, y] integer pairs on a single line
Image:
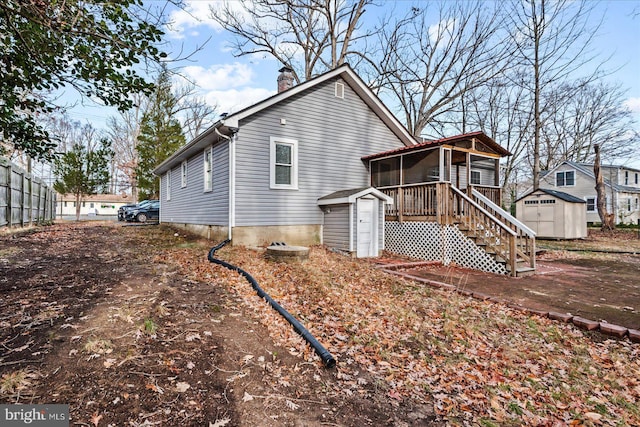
{"points": [[506, 215], [484, 211]]}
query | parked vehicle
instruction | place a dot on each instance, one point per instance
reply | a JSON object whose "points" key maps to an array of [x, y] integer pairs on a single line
{"points": [[144, 211], [123, 209]]}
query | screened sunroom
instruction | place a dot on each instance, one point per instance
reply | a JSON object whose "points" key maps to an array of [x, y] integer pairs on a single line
{"points": [[419, 178]]}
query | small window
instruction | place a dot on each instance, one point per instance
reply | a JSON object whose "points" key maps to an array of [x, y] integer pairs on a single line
{"points": [[548, 202], [636, 178], [565, 179], [637, 204], [475, 177], [629, 204], [91, 205], [339, 90], [284, 163], [626, 177], [591, 204], [530, 202], [168, 178], [84, 204], [183, 174], [208, 169], [65, 204]]}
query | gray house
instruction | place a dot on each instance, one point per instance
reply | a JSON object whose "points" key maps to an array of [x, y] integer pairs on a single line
{"points": [[622, 188], [271, 172]]}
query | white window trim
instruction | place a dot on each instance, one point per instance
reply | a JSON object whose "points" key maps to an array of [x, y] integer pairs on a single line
{"points": [[272, 163], [183, 173], [565, 178], [339, 90], [208, 180], [168, 178], [595, 204]]}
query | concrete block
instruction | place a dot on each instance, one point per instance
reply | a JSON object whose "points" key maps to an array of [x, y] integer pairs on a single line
{"points": [[613, 330], [587, 324], [634, 335], [481, 296], [562, 317], [535, 312]]}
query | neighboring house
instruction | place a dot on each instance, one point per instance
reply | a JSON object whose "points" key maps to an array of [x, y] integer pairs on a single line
{"points": [[326, 162], [553, 214], [97, 204], [622, 186]]}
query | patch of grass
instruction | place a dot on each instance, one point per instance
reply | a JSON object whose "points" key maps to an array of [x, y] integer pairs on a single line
{"points": [[13, 382], [150, 327]]}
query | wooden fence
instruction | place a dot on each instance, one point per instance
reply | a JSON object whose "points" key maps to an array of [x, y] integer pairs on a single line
{"points": [[24, 200]]}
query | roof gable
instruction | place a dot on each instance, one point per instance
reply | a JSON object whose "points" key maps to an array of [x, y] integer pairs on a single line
{"points": [[230, 123]]}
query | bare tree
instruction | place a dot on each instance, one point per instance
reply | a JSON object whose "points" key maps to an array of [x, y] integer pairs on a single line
{"points": [[428, 67], [589, 114], [496, 109], [308, 36], [198, 116], [552, 38], [607, 219]]}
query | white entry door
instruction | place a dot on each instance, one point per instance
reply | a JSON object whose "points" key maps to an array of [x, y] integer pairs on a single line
{"points": [[367, 229]]}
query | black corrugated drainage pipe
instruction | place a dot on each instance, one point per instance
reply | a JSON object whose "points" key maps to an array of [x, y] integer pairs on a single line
{"points": [[324, 354]]}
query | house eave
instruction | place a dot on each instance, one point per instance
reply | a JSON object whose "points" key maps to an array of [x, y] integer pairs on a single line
{"points": [[200, 142]]}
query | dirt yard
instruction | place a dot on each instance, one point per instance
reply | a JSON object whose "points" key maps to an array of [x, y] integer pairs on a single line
{"points": [[571, 278], [132, 326]]}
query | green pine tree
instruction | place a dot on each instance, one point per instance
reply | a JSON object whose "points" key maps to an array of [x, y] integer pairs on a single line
{"points": [[82, 172], [160, 136]]}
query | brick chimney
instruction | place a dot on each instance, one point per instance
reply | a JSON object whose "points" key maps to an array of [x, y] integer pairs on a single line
{"points": [[285, 79]]}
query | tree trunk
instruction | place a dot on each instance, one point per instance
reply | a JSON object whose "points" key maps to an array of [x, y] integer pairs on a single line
{"points": [[606, 218], [78, 207]]}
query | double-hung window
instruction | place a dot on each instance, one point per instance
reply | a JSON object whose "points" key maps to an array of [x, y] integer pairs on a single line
{"points": [[591, 204], [283, 165], [565, 179], [208, 169], [183, 174], [168, 178]]}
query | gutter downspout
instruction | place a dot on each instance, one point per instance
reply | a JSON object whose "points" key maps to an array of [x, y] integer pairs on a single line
{"points": [[232, 178]]}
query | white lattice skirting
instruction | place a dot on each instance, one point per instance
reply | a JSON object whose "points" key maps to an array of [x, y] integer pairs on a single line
{"points": [[435, 242]]}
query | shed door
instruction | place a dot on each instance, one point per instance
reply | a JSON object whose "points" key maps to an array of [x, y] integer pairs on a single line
{"points": [[367, 229], [539, 215]]}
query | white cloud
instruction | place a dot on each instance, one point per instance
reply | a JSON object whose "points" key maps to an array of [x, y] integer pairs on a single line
{"points": [[220, 76], [229, 101], [633, 104], [440, 33], [195, 13]]}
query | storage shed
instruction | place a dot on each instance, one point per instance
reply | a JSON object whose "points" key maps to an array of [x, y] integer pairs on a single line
{"points": [[553, 214], [354, 221]]}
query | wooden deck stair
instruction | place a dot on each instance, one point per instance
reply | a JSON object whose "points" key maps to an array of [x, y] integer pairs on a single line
{"points": [[499, 234]]}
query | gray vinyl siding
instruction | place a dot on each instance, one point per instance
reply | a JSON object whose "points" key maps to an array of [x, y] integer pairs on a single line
{"points": [[336, 227], [332, 134], [191, 204]]}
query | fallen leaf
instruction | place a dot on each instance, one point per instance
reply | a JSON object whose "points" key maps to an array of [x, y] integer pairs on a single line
{"points": [[247, 397], [291, 405], [220, 423], [95, 419], [182, 387]]}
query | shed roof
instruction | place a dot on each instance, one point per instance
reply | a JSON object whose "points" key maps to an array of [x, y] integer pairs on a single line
{"points": [[350, 196], [489, 142], [558, 194]]}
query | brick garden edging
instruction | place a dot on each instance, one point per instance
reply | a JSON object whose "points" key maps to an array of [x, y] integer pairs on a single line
{"points": [[590, 325]]}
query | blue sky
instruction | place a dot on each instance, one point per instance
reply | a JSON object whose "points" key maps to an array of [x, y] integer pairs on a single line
{"points": [[232, 83]]}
